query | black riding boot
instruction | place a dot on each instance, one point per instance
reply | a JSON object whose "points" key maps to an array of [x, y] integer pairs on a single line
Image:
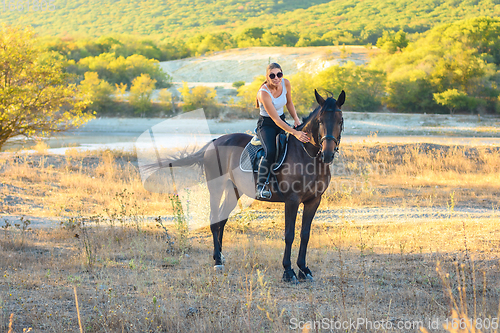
{"points": [[262, 189]]}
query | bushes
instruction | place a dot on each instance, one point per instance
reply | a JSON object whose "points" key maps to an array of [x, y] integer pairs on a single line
{"points": [[141, 92], [124, 70], [97, 90], [459, 59], [200, 97]]}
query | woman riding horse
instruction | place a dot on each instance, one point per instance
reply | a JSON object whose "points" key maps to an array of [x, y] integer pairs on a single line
{"points": [[302, 179], [273, 95]]}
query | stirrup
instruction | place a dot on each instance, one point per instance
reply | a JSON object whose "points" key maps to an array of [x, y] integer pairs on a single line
{"points": [[262, 192]]}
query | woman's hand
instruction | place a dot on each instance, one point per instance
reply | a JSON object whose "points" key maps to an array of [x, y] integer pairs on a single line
{"points": [[297, 122], [301, 136]]}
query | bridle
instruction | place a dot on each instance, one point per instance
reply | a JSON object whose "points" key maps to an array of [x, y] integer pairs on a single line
{"points": [[327, 138]]}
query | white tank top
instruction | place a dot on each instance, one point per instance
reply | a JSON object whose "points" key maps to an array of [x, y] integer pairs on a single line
{"points": [[278, 102]]}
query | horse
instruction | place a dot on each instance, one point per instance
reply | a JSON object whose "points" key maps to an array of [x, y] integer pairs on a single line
{"points": [[303, 178]]}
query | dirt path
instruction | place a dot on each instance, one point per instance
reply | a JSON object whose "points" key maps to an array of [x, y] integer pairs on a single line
{"points": [[390, 128], [361, 215]]}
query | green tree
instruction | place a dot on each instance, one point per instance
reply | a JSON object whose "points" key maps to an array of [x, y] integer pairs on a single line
{"points": [[36, 95], [124, 70], [203, 43], [199, 97], [454, 57], [457, 100], [364, 86], [410, 90], [303, 85], [392, 42], [120, 91], [248, 95], [98, 91], [238, 84], [141, 92], [165, 98], [249, 37]]}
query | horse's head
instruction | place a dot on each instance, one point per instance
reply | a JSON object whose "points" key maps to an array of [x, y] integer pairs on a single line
{"points": [[330, 124]]}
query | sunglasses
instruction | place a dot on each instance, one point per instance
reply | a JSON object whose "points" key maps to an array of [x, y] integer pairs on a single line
{"points": [[272, 75]]}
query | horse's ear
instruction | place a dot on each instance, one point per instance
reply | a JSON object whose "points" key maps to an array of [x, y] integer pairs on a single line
{"points": [[321, 100], [341, 99]]}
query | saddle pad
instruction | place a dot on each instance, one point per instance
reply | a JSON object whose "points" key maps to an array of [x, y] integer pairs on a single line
{"points": [[249, 154]]}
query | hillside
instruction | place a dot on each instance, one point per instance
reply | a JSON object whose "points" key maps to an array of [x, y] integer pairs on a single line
{"points": [[221, 69], [245, 64], [309, 23]]}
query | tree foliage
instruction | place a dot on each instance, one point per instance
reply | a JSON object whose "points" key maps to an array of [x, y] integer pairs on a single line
{"points": [[248, 94], [199, 97], [165, 98], [141, 92], [36, 95], [96, 90], [460, 57], [124, 70], [365, 88], [220, 23], [457, 100], [392, 42]]}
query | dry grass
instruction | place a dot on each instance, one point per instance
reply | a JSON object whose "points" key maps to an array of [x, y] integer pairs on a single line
{"points": [[383, 271], [77, 183], [134, 277], [377, 175], [422, 175]]}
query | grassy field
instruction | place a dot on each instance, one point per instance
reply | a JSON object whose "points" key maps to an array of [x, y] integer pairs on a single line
{"points": [[137, 276]]}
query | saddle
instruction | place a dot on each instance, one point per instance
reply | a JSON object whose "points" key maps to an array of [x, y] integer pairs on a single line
{"points": [[253, 152]]}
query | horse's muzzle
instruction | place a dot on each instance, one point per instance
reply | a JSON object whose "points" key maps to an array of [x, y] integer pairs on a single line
{"points": [[327, 157]]}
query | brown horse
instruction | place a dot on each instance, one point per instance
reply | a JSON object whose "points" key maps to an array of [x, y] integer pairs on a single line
{"points": [[303, 178]]}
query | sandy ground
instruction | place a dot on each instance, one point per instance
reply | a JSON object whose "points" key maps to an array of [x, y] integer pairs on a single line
{"points": [[220, 69], [116, 133], [361, 215]]}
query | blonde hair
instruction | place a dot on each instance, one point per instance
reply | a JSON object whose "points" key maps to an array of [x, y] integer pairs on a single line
{"points": [[269, 67]]}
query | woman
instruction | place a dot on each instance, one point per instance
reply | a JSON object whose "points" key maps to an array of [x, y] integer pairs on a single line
{"points": [[272, 96]]}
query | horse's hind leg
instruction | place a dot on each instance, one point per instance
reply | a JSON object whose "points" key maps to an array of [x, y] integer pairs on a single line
{"points": [[216, 191], [229, 203], [291, 207], [310, 208], [219, 215]]}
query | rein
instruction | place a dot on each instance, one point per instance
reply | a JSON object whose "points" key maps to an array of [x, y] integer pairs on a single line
{"points": [[305, 149], [326, 137]]}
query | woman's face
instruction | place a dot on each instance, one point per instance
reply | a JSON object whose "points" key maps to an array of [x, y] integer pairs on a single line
{"points": [[274, 76]]}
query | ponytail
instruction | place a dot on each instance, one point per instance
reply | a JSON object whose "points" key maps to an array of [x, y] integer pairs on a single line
{"points": [[257, 99]]}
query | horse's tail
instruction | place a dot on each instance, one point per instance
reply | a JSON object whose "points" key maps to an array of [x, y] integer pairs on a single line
{"points": [[183, 159]]}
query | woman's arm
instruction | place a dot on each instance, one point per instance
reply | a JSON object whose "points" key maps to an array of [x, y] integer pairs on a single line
{"points": [[266, 100], [289, 103]]}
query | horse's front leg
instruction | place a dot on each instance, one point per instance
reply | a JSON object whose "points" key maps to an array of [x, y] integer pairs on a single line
{"points": [[310, 208], [291, 207]]}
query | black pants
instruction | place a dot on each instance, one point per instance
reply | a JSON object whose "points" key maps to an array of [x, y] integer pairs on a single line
{"points": [[267, 130]]}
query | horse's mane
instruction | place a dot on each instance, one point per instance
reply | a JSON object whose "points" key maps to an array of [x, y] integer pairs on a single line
{"points": [[307, 120]]}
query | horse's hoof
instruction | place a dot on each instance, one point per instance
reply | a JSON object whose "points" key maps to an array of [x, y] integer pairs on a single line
{"points": [[305, 275], [222, 259], [290, 277], [219, 268]]}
